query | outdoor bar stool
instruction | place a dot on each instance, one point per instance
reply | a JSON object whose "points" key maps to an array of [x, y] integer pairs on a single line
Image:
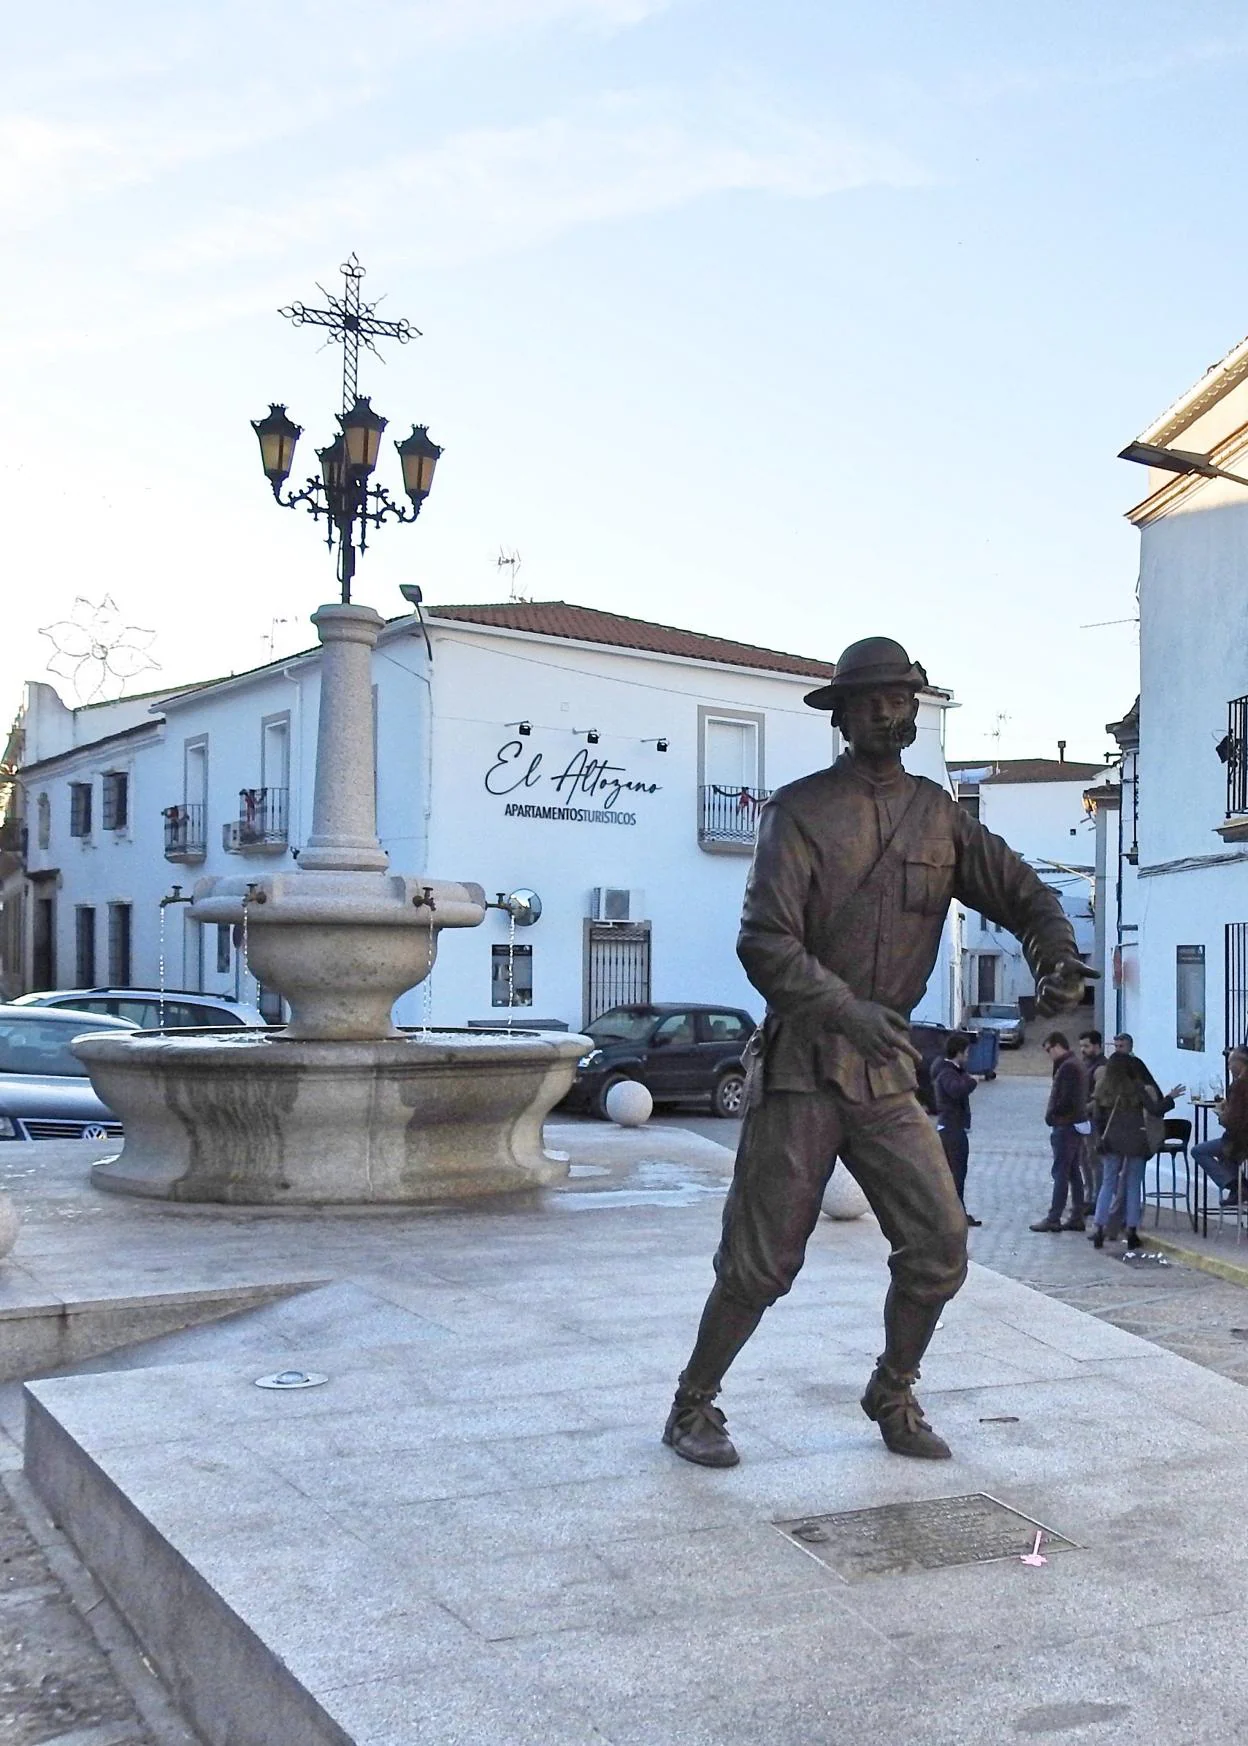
{"points": [[1238, 1212], [1174, 1147]]}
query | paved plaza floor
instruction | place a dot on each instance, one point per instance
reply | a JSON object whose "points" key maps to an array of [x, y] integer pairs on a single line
{"points": [[471, 1532]]}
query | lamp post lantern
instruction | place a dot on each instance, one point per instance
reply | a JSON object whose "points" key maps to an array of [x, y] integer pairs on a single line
{"points": [[345, 494]]}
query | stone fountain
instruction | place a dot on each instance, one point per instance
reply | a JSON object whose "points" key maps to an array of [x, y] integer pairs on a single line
{"points": [[338, 1107]]}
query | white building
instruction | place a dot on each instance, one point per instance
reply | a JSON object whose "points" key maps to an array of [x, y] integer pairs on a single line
{"points": [[1037, 805], [1185, 986], [612, 766]]}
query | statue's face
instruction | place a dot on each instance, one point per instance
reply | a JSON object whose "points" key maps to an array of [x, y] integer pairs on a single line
{"points": [[880, 723]]}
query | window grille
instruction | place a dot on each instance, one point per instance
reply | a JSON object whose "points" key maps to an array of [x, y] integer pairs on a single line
{"points": [[120, 917], [84, 946], [1235, 1015], [116, 808], [80, 809], [1234, 751]]}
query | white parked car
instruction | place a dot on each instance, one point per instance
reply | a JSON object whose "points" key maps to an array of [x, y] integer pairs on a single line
{"points": [[177, 1009], [44, 1090], [1005, 1020]]}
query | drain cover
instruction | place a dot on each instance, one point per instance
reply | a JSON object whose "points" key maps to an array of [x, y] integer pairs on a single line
{"points": [[920, 1536]]}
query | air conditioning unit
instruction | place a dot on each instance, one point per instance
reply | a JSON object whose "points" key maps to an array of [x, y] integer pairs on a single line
{"points": [[232, 837], [609, 903]]}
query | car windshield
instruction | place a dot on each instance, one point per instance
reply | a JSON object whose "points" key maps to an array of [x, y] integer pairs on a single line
{"points": [[41, 1046], [1005, 1012], [622, 1024]]}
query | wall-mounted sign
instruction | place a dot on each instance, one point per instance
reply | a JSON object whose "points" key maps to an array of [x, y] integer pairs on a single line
{"points": [[518, 771]]}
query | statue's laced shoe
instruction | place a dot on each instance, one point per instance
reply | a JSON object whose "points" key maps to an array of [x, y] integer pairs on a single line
{"points": [[697, 1431], [889, 1400]]}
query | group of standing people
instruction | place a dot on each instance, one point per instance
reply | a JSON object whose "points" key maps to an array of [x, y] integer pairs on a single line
{"points": [[1105, 1119]]}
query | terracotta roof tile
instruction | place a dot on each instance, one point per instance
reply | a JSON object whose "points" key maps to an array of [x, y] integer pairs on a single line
{"points": [[586, 624], [1026, 769]]}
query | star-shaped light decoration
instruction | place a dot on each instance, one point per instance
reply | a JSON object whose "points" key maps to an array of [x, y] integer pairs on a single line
{"points": [[94, 648]]}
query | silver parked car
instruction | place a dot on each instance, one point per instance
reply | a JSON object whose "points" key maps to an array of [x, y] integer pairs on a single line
{"points": [[177, 1009], [1006, 1020], [44, 1090]]}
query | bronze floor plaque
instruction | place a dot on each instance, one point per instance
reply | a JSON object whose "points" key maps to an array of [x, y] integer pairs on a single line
{"points": [[931, 1535]]}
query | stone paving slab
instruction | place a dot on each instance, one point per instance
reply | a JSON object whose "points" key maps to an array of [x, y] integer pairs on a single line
{"points": [[474, 1533]]}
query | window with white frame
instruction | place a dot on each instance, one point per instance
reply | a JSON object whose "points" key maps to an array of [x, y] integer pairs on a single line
{"points": [[731, 788]]}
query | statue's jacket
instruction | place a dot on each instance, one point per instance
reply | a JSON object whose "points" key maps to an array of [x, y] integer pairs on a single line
{"points": [[847, 896]]}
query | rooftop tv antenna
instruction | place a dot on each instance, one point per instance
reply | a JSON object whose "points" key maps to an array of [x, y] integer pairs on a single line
{"points": [[998, 728], [511, 561]]}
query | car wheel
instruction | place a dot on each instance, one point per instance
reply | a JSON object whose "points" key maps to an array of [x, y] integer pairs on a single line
{"points": [[728, 1097], [600, 1101]]}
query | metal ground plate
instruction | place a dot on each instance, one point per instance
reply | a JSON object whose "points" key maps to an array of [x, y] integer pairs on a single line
{"points": [[933, 1535]]}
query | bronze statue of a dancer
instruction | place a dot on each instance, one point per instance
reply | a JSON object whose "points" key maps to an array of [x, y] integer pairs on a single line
{"points": [[853, 874]]}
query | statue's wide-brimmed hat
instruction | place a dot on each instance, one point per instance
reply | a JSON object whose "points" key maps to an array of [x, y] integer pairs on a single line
{"points": [[866, 665]]}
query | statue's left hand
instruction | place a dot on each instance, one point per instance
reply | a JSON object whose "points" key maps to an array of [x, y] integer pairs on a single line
{"points": [[1061, 990]]}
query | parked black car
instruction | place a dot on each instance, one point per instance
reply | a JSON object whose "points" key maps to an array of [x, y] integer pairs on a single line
{"points": [[676, 1051]]}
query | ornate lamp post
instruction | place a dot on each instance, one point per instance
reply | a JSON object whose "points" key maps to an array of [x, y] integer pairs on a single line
{"points": [[346, 494]]}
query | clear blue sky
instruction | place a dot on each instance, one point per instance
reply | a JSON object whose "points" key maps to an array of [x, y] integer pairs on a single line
{"points": [[792, 322]]}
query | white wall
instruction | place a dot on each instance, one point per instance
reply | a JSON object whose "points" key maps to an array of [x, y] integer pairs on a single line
{"points": [[1193, 661], [692, 897], [1046, 824]]}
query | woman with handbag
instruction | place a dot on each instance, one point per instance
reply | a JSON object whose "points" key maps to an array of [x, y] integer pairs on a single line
{"points": [[1129, 1111]]}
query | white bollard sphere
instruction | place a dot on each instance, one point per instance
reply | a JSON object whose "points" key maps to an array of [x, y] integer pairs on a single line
{"points": [[842, 1198], [629, 1104], [8, 1224]]}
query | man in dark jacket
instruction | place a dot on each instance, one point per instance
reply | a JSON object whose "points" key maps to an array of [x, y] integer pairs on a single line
{"points": [[1091, 1057], [952, 1086], [853, 874], [1066, 1113], [1222, 1159]]}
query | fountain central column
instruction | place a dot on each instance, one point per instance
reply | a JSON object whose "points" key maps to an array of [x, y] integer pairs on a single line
{"points": [[344, 806]]}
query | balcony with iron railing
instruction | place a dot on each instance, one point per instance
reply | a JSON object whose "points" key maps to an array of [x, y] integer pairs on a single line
{"points": [[728, 818], [262, 826], [185, 838], [1233, 751]]}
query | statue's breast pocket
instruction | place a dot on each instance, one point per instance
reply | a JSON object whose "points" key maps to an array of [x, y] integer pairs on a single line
{"points": [[929, 877]]}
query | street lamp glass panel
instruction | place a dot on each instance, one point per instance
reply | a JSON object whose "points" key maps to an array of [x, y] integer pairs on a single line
{"points": [[333, 465], [418, 456], [361, 431], [277, 435]]}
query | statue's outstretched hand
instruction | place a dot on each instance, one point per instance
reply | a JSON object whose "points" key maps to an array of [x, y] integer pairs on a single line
{"points": [[877, 1032], [1061, 990]]}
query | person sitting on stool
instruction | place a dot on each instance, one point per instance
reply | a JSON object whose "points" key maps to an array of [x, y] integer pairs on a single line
{"points": [[952, 1086], [1222, 1159]]}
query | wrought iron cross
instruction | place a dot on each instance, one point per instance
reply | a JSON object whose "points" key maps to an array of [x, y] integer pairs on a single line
{"points": [[353, 323]]}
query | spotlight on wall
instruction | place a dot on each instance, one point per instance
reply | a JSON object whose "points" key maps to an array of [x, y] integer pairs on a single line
{"points": [[521, 727], [660, 745], [591, 734]]}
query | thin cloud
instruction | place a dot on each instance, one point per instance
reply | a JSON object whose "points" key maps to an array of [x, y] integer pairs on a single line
{"points": [[489, 191], [112, 114]]}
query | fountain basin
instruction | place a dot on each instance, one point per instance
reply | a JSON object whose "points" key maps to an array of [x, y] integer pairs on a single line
{"points": [[341, 947], [259, 1118]]}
